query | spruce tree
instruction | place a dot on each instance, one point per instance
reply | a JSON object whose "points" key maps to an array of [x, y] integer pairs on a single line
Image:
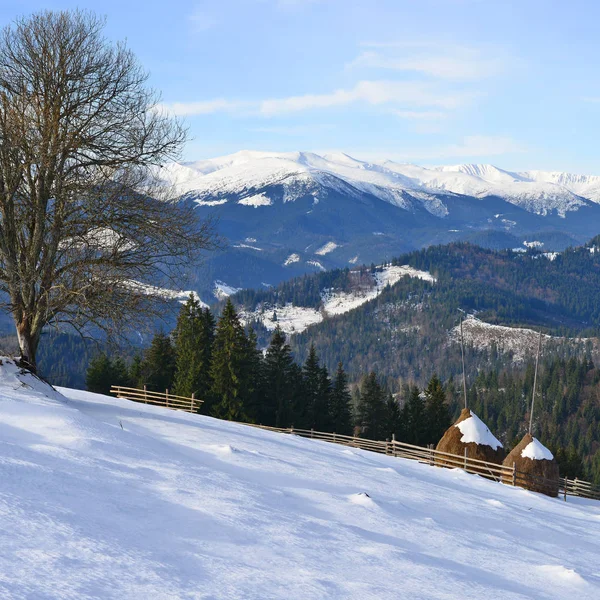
{"points": [[191, 337], [229, 367], [436, 410], [414, 429], [99, 374], [312, 388], [372, 409], [341, 414], [394, 417], [322, 414], [158, 367], [255, 377], [277, 408]]}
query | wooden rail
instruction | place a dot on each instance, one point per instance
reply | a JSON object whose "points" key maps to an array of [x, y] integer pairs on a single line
{"points": [[165, 399], [501, 473]]}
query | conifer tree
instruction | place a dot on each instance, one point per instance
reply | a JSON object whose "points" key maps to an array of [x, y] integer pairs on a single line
{"points": [[276, 408], [158, 367], [255, 377], [193, 341], [341, 415], [322, 414], [312, 388], [372, 409], [413, 417], [393, 417], [99, 374], [229, 367], [104, 372], [436, 410]]}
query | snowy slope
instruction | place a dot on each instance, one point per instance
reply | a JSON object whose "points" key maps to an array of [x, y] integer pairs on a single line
{"points": [[104, 498], [244, 173]]}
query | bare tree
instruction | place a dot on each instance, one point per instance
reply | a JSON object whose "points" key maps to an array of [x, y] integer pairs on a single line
{"points": [[84, 221]]}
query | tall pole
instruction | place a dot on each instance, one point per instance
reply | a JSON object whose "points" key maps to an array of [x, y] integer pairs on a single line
{"points": [[462, 352], [537, 362]]}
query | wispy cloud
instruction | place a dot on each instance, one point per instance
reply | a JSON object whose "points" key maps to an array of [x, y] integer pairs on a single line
{"points": [[592, 99], [451, 62], [373, 93]]}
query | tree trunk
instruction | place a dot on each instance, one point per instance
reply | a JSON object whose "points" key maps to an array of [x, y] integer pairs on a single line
{"points": [[28, 343]]}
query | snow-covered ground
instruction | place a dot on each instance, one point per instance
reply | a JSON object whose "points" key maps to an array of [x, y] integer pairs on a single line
{"points": [[107, 499]]}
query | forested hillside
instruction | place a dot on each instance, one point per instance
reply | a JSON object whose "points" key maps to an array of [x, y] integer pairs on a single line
{"points": [[404, 331]]}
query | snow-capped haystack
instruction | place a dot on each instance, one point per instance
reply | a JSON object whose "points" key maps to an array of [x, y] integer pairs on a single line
{"points": [[471, 433], [537, 469]]}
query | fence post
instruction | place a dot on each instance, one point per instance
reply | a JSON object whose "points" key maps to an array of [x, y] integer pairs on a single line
{"points": [[145, 395], [514, 474], [167, 397], [466, 452], [311, 432], [393, 444], [192, 403], [334, 438], [566, 485], [431, 461]]}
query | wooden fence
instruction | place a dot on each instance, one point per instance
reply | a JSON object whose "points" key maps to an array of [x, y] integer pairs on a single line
{"points": [[165, 399], [505, 474]]}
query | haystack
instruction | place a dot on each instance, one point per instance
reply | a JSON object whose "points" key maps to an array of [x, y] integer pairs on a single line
{"points": [[537, 469], [470, 433]]}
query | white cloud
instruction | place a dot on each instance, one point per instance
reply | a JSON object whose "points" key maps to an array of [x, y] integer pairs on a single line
{"points": [[450, 62], [374, 93], [412, 93]]}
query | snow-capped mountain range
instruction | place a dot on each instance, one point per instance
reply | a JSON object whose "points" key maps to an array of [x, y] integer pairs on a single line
{"points": [[213, 181], [285, 214]]}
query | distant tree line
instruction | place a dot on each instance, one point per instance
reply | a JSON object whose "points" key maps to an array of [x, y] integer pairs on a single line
{"points": [[220, 363]]}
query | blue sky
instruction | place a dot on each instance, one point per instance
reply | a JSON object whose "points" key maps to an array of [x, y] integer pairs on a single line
{"points": [[514, 83]]}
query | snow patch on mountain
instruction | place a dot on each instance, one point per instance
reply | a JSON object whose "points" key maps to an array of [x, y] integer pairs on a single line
{"points": [[167, 294], [291, 259], [222, 291], [291, 319], [327, 248], [521, 341], [316, 263], [296, 319], [256, 200]]}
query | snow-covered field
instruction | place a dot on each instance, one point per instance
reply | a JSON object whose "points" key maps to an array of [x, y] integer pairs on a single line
{"points": [[103, 498]]}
